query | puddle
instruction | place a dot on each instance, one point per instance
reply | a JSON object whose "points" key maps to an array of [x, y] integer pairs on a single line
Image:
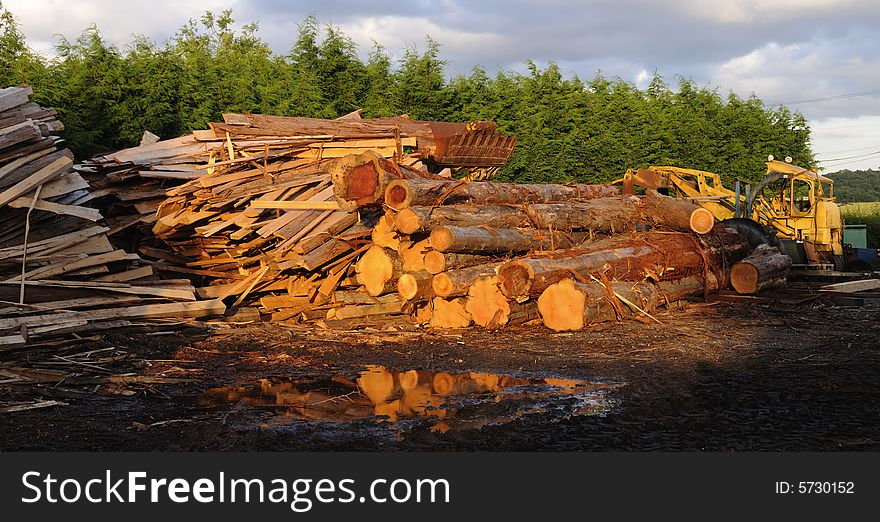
{"points": [[410, 399]]}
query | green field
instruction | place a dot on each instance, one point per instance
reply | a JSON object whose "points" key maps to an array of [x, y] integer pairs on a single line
{"points": [[864, 214]]}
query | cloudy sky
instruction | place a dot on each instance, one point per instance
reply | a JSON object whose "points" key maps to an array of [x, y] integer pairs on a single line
{"points": [[821, 57]]}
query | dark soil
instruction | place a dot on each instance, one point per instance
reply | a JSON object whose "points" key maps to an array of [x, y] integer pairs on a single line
{"points": [[717, 376]]}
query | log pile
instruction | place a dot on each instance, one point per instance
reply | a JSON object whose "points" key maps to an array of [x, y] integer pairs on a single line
{"points": [[61, 275], [345, 221], [351, 221]]}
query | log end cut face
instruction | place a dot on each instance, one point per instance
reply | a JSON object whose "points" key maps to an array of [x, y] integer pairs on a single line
{"points": [[435, 262], [515, 279], [486, 304], [442, 284], [562, 305], [744, 278], [441, 239], [407, 286], [702, 221], [398, 195], [374, 269], [407, 221], [362, 182]]}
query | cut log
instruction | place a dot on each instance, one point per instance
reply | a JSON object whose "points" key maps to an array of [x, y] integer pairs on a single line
{"points": [[675, 214], [611, 214], [571, 305], [384, 233], [412, 254], [486, 304], [360, 179], [458, 282], [765, 267], [415, 286], [484, 240], [449, 313], [654, 256], [436, 262], [377, 268], [404, 193]]}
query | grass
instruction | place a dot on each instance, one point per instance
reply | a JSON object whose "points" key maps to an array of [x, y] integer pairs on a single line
{"points": [[864, 214]]}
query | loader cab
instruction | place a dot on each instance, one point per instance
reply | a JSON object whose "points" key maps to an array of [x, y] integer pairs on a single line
{"points": [[800, 204]]}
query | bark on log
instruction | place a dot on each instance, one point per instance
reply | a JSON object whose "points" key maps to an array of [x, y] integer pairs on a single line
{"points": [[675, 214], [654, 256], [521, 313], [571, 305], [457, 282], [764, 268], [436, 262], [484, 240], [376, 269], [611, 214], [486, 304], [415, 286], [449, 313], [404, 193]]}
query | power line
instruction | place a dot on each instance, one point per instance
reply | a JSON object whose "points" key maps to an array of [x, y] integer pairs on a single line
{"points": [[846, 150], [853, 157], [847, 162], [830, 98]]}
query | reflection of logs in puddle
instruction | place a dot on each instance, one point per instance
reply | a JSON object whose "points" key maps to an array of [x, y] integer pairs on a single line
{"points": [[390, 396]]}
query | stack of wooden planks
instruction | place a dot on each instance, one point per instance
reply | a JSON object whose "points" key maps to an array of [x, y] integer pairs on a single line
{"points": [[275, 210], [60, 273]]}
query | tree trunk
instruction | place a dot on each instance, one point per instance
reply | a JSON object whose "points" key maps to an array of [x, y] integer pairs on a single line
{"points": [[377, 268], [404, 193], [611, 214], [571, 305], [654, 256], [415, 286], [449, 313], [483, 240], [436, 262], [764, 268], [675, 214], [486, 304], [457, 282]]}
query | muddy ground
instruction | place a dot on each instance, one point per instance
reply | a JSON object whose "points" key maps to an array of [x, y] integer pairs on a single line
{"points": [[716, 376]]}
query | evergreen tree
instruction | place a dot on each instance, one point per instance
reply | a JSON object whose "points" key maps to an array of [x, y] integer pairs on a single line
{"points": [[567, 130]]}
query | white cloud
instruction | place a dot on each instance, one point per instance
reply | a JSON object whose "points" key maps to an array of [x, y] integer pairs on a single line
{"points": [[396, 33], [117, 20], [747, 11], [847, 143]]}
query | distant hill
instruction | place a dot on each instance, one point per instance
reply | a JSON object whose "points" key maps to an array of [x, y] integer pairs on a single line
{"points": [[851, 186]]}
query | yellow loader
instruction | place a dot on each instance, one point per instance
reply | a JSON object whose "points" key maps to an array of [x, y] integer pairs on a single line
{"points": [[795, 203]]}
